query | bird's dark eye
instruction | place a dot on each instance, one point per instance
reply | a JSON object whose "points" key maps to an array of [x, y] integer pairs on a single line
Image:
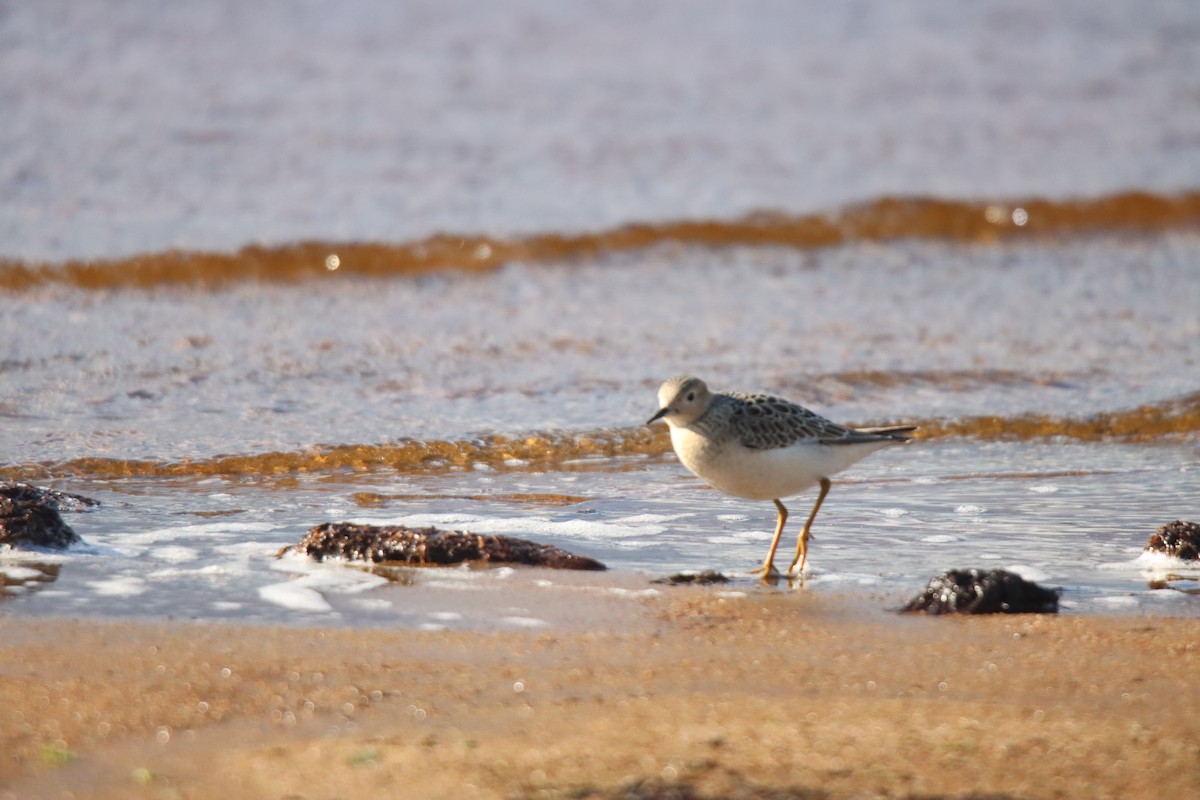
{"points": [[691, 396]]}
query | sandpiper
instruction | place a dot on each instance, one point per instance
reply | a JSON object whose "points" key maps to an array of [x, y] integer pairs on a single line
{"points": [[762, 447]]}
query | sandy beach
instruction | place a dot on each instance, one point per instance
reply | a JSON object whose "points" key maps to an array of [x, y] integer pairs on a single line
{"points": [[694, 692]]}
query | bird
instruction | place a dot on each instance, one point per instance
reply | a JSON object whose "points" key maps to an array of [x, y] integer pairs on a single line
{"points": [[762, 447]]}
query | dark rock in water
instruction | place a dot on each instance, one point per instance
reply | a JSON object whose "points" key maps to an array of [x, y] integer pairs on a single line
{"points": [[59, 501], [973, 591], [430, 546], [29, 515], [704, 578], [1179, 539]]}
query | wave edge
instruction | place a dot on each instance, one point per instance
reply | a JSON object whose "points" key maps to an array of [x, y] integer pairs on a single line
{"points": [[1171, 421], [885, 218]]}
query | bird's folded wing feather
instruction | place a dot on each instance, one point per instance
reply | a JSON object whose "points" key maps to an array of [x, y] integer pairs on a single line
{"points": [[764, 422]]}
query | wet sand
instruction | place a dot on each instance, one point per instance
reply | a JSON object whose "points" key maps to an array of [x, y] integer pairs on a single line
{"points": [[692, 693]]}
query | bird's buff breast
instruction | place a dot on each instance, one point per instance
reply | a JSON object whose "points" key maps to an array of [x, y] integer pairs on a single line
{"points": [[754, 474]]}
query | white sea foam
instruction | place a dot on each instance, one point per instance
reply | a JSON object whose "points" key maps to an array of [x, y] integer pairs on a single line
{"points": [[726, 538], [313, 581], [199, 529], [295, 596], [1122, 566], [41, 555], [1117, 601], [524, 622], [814, 577], [120, 586], [621, 591], [1029, 573], [533, 526], [253, 549], [21, 573], [644, 519], [373, 603], [454, 585], [167, 574], [1156, 561], [175, 554]]}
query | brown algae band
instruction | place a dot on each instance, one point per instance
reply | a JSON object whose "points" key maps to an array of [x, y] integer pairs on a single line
{"points": [[878, 220], [1168, 421]]}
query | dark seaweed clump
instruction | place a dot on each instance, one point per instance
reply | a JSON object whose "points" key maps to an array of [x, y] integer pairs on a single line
{"points": [[398, 544], [973, 591], [1179, 538], [29, 515]]}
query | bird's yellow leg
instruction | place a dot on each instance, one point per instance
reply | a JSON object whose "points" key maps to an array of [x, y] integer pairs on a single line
{"points": [[768, 567], [802, 542]]}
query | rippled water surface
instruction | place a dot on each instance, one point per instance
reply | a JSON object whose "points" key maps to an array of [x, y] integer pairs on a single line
{"points": [[1075, 516], [267, 266], [211, 125]]}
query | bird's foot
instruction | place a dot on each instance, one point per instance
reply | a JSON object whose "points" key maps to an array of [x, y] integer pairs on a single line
{"points": [[768, 573]]}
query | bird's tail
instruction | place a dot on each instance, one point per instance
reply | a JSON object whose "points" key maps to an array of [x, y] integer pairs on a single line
{"points": [[896, 433]]}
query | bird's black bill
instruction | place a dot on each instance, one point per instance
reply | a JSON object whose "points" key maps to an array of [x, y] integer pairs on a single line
{"points": [[662, 412]]}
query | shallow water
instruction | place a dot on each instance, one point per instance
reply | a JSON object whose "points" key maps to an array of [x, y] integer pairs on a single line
{"points": [[432, 265], [1069, 515], [908, 331]]}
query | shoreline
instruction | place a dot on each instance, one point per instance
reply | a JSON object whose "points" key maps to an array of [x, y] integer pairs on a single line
{"points": [[693, 693]]}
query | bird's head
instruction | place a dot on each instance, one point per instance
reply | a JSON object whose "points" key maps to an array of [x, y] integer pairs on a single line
{"points": [[682, 400]]}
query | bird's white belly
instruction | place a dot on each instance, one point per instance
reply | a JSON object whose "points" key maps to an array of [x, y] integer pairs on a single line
{"points": [[764, 474]]}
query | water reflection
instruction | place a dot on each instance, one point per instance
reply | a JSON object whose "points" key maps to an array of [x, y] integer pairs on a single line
{"points": [[25, 578], [1180, 583]]}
